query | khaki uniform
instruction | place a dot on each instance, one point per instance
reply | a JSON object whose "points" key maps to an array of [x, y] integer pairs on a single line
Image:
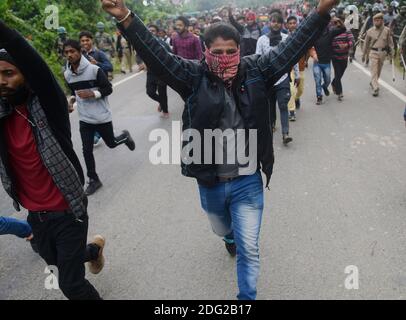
{"points": [[127, 55], [293, 93], [377, 46]]}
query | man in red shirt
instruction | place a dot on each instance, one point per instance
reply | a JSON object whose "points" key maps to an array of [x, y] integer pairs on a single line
{"points": [[38, 167], [186, 44]]}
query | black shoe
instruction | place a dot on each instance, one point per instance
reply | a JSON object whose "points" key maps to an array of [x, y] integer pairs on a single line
{"points": [[340, 97], [130, 142], [231, 247], [93, 186], [319, 100], [376, 93], [297, 102], [287, 139], [326, 91]]}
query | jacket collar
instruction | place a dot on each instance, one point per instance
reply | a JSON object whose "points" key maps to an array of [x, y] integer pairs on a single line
{"points": [[84, 63]]}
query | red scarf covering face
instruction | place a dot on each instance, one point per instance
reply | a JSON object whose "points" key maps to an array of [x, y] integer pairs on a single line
{"points": [[224, 66]]}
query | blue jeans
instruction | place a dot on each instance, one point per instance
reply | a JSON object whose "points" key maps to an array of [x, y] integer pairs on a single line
{"points": [[280, 94], [321, 72], [236, 208], [15, 227]]}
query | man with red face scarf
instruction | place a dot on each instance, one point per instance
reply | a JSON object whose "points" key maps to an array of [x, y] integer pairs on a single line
{"points": [[249, 33], [226, 94]]}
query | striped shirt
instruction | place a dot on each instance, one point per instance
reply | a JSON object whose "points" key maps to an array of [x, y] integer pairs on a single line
{"points": [[345, 39]]}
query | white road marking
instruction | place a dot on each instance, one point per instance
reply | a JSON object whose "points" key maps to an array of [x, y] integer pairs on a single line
{"points": [[384, 84], [127, 79]]}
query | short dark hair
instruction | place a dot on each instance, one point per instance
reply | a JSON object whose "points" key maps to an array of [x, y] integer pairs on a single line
{"points": [[277, 17], [221, 30], [72, 43], [154, 26], [275, 10], [184, 20], [86, 34], [291, 18]]}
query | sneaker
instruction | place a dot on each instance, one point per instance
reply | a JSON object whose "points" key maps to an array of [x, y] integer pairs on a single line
{"points": [[287, 139], [130, 142], [319, 100], [292, 117], [340, 97], [326, 91], [97, 265], [230, 247], [165, 115], [297, 102], [97, 140], [93, 186], [376, 93]]}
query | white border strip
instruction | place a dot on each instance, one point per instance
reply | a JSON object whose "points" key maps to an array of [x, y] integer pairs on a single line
{"points": [[127, 79], [384, 84]]}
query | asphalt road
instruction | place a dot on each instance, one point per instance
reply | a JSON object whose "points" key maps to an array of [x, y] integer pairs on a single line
{"points": [[337, 198]]}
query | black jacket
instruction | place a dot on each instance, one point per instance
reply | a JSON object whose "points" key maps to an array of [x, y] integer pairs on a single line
{"points": [[44, 85], [324, 45], [203, 93]]}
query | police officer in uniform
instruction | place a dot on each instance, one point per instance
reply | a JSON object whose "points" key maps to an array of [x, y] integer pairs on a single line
{"points": [[378, 45], [105, 43], [62, 37]]}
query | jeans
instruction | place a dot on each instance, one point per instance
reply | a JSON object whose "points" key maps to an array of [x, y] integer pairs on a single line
{"points": [[321, 72], [339, 69], [154, 85], [280, 94], [62, 243], [15, 227], [236, 208], [87, 133]]}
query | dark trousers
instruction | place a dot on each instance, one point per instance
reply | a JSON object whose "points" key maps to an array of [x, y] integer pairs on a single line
{"points": [[355, 33], [87, 132], [62, 243], [280, 94], [154, 86], [339, 69]]}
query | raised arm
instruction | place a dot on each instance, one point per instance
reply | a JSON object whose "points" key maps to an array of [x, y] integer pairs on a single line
{"points": [[235, 24], [280, 60], [178, 73]]}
